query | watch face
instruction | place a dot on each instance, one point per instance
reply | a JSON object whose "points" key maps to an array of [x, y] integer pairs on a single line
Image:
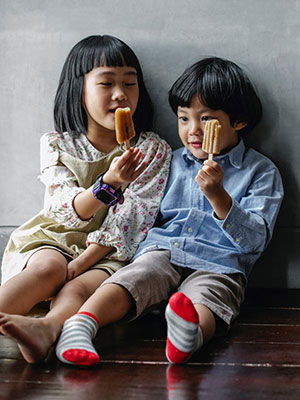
{"points": [[105, 197]]}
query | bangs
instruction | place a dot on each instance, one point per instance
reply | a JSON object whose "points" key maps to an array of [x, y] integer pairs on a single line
{"points": [[104, 51], [210, 89]]}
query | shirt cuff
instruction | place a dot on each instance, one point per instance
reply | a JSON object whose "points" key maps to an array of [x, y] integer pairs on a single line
{"points": [[229, 225]]}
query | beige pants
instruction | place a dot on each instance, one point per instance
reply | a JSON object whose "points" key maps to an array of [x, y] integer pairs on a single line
{"points": [[151, 279]]}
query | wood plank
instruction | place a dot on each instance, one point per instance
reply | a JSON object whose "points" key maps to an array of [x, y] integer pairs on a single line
{"points": [[258, 333], [142, 381], [259, 358], [272, 297], [270, 315]]}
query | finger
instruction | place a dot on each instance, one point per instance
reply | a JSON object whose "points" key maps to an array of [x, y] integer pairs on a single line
{"points": [[212, 166], [132, 163], [138, 171], [124, 158]]}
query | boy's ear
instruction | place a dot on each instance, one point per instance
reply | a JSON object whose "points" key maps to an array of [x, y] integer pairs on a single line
{"points": [[239, 125]]}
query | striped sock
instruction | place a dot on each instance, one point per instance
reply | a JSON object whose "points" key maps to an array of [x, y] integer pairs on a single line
{"points": [[184, 332], [75, 342]]}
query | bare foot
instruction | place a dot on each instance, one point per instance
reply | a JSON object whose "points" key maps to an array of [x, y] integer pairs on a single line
{"points": [[34, 336]]}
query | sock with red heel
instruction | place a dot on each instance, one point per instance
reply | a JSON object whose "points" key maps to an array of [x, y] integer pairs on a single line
{"points": [[75, 342], [185, 335]]}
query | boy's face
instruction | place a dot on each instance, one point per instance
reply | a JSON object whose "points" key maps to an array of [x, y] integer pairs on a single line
{"points": [[191, 123]]}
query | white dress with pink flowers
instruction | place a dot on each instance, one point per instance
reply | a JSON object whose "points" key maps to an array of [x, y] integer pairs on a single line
{"points": [[69, 165]]}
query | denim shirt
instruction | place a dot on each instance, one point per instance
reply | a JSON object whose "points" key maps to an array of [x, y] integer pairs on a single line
{"points": [[192, 232]]}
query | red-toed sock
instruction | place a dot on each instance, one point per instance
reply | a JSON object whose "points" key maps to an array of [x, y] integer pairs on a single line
{"points": [[184, 332], [75, 342]]}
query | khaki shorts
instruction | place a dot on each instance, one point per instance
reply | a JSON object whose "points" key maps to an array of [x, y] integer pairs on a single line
{"points": [[109, 266], [151, 279]]}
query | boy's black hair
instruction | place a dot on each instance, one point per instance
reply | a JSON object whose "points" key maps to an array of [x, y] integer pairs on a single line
{"points": [[91, 52], [220, 85]]}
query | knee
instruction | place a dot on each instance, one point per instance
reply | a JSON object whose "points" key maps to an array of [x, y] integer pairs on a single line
{"points": [[50, 269], [77, 288]]}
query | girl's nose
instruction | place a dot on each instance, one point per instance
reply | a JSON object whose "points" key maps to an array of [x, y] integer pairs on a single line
{"points": [[119, 94]]}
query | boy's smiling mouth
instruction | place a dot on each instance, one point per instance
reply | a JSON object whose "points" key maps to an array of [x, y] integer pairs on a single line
{"points": [[196, 145]]}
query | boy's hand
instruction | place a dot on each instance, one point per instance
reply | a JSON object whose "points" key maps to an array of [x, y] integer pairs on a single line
{"points": [[125, 169], [210, 180]]}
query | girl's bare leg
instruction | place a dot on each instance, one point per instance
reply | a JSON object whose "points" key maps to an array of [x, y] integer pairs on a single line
{"points": [[44, 274], [36, 335]]}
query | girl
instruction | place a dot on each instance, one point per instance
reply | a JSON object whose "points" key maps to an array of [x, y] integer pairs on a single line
{"points": [[99, 201]]}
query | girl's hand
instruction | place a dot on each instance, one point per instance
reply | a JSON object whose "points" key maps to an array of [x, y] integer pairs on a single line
{"points": [[89, 257], [74, 269], [125, 169], [210, 180]]}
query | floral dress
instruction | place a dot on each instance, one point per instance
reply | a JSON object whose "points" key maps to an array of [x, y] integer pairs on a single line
{"points": [[70, 165]]}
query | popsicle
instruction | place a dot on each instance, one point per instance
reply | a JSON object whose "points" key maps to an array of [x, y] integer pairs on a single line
{"points": [[211, 139], [124, 126]]}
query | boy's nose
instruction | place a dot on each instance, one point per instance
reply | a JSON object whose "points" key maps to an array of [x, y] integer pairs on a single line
{"points": [[196, 129]]}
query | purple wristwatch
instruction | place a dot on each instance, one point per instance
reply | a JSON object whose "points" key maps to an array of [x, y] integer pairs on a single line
{"points": [[107, 194]]}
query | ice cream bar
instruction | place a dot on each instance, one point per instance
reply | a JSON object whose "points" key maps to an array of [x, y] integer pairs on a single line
{"points": [[211, 139], [124, 126]]}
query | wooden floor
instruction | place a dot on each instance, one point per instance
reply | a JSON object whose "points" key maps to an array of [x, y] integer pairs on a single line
{"points": [[260, 359]]}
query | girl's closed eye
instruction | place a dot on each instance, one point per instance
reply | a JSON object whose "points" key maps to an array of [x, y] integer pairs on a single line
{"points": [[130, 83], [105, 83]]}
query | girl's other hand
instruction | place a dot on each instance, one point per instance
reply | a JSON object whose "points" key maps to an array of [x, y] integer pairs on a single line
{"points": [[125, 169], [74, 269]]}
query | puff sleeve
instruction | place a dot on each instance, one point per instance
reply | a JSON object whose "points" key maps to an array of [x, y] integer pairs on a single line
{"points": [[126, 225]]}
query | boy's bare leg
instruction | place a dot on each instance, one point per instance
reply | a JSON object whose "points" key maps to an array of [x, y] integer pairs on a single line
{"points": [[108, 304], [207, 322], [189, 326], [35, 335], [44, 274]]}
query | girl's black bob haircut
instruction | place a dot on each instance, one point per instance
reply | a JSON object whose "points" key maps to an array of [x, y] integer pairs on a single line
{"points": [[91, 52], [220, 85]]}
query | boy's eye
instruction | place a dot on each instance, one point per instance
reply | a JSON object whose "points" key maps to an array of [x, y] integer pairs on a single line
{"points": [[205, 118], [183, 119], [105, 83], [130, 84]]}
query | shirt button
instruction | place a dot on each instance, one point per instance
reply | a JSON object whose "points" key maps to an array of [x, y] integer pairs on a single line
{"points": [[222, 161], [238, 239], [228, 226], [190, 229], [176, 244]]}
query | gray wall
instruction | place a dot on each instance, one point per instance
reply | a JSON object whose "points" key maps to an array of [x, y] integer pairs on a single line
{"points": [[263, 36]]}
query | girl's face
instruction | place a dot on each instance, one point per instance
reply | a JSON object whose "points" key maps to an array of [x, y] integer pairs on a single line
{"points": [[106, 89], [191, 123]]}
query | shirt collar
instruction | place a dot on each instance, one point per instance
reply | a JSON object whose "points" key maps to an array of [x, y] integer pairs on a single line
{"points": [[235, 155]]}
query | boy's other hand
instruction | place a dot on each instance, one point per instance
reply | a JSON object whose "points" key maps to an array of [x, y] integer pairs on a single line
{"points": [[210, 181]]}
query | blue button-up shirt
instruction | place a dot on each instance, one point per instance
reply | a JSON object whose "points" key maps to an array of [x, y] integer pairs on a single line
{"points": [[192, 232]]}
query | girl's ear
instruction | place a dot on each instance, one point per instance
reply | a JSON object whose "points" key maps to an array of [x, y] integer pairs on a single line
{"points": [[239, 125]]}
